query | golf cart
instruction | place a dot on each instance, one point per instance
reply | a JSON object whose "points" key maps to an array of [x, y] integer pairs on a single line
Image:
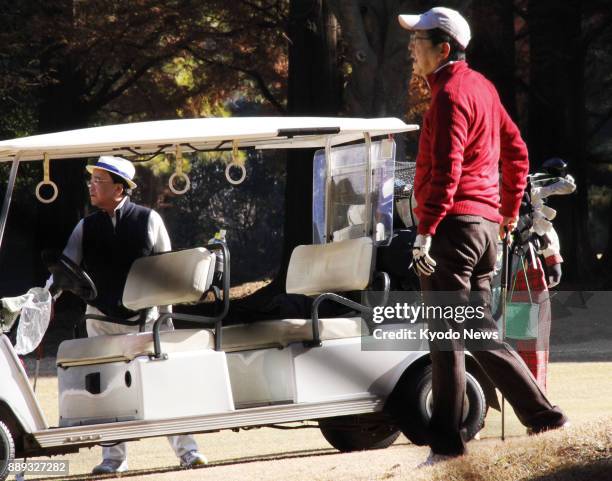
{"points": [[133, 386]]}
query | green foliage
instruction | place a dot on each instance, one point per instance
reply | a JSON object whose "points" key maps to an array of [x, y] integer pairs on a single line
{"points": [[69, 63]]}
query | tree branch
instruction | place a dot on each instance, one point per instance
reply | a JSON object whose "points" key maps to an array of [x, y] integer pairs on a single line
{"points": [[254, 74], [103, 99]]}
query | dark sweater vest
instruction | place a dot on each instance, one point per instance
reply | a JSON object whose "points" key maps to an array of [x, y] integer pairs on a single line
{"points": [[108, 253]]}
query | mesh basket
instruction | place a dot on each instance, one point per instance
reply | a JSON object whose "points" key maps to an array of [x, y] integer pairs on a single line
{"points": [[404, 179]]}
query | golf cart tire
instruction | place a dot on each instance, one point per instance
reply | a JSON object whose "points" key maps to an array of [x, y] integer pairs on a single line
{"points": [[358, 433], [410, 406], [7, 450]]}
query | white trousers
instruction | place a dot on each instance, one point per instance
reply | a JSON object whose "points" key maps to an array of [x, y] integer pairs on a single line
{"points": [[180, 444]]}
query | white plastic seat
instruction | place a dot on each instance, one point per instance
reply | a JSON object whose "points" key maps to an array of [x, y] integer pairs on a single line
{"points": [[126, 347], [336, 267], [163, 279], [280, 333], [178, 277], [170, 278], [257, 335], [313, 269]]}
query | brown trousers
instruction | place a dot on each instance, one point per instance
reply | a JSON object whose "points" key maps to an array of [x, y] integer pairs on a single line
{"points": [[465, 249]]}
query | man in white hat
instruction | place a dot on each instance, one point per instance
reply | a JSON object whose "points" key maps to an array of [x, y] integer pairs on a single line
{"points": [[106, 243], [465, 133]]}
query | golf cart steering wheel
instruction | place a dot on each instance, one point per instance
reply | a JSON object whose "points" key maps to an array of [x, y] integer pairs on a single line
{"points": [[68, 276]]}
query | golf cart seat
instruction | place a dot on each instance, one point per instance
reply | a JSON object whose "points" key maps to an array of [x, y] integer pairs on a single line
{"points": [[119, 377], [126, 347], [337, 267], [186, 275], [158, 280], [282, 332], [313, 270], [180, 277]]}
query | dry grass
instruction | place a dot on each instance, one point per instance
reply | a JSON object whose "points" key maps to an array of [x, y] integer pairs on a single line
{"points": [[248, 288], [241, 291], [583, 452]]}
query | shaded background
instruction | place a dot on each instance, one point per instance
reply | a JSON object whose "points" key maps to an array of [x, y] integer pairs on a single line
{"points": [[68, 64]]}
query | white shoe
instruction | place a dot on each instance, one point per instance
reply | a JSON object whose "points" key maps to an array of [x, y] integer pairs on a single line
{"points": [[111, 466], [434, 459], [192, 459]]}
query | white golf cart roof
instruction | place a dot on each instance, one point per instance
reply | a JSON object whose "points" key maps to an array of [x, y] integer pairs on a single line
{"points": [[207, 134]]}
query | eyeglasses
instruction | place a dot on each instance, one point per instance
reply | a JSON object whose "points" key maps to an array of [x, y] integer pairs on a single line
{"points": [[95, 181], [414, 38]]}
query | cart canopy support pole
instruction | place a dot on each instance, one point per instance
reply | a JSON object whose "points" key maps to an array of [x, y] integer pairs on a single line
{"points": [[7, 197]]}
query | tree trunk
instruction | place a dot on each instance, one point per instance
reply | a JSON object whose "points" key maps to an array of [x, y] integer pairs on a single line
{"points": [[557, 117], [491, 50], [314, 89], [377, 51], [61, 108]]}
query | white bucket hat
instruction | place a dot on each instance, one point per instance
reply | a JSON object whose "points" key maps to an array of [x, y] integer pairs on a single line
{"points": [[115, 165], [446, 19]]}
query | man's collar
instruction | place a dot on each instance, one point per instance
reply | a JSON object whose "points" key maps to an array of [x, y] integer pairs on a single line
{"points": [[444, 65], [444, 71], [122, 203], [120, 206]]}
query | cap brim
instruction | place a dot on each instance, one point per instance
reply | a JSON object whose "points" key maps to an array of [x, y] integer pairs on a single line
{"points": [[410, 22], [90, 169]]}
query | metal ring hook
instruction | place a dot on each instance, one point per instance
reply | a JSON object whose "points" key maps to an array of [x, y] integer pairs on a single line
{"points": [[179, 174], [46, 181], [237, 164]]}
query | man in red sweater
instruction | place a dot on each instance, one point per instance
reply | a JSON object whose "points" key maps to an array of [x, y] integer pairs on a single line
{"points": [[466, 132]]}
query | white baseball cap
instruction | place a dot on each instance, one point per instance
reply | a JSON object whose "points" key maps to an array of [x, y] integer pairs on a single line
{"points": [[115, 165], [446, 19]]}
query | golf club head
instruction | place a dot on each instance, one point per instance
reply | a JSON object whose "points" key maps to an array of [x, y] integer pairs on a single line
{"points": [[555, 166]]}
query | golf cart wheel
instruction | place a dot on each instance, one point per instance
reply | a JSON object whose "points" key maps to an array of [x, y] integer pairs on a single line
{"points": [[358, 433], [413, 403], [7, 451]]}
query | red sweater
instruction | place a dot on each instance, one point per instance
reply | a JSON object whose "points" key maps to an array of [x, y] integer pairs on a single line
{"points": [[466, 132]]}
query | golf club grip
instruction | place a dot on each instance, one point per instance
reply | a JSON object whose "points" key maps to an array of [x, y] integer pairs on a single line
{"points": [[505, 252]]}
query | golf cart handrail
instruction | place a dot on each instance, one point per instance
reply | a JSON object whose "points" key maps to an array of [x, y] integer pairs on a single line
{"points": [[216, 320], [206, 134], [330, 296]]}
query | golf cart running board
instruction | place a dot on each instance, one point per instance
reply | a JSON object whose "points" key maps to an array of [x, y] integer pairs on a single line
{"points": [[259, 416]]}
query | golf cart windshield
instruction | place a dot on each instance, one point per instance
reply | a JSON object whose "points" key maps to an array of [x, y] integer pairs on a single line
{"points": [[353, 195]]}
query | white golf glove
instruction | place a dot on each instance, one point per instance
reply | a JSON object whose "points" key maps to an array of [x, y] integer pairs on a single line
{"points": [[422, 262]]}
